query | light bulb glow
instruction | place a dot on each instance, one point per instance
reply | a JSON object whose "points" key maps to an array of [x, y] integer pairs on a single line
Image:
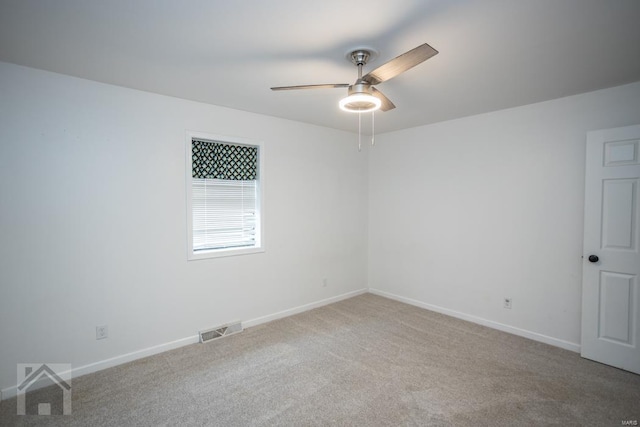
{"points": [[360, 103]]}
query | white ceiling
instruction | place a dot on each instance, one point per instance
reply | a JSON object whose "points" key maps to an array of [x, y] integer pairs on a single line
{"points": [[494, 54]]}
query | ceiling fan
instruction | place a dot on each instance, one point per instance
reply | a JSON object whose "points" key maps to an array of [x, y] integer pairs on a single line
{"points": [[362, 95]]}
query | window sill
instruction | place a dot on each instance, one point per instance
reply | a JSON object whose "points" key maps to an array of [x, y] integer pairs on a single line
{"points": [[218, 253]]}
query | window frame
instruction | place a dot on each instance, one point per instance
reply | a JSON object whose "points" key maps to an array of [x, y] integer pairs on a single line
{"points": [[223, 252]]}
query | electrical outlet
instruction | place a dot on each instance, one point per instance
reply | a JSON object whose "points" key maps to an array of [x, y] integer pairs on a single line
{"points": [[102, 332], [507, 303]]}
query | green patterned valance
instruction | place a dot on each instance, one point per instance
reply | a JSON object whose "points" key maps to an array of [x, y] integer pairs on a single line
{"points": [[219, 160]]}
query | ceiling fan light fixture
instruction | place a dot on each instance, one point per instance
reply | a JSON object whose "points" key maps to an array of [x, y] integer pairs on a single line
{"points": [[360, 103]]}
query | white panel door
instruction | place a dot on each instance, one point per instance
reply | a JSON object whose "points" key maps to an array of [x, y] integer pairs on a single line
{"points": [[610, 288]]}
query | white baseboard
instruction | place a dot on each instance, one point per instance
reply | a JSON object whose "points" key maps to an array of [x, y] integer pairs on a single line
{"points": [[139, 354], [479, 320], [302, 308], [108, 363]]}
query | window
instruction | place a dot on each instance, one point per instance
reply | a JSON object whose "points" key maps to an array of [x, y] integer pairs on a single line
{"points": [[223, 196]]}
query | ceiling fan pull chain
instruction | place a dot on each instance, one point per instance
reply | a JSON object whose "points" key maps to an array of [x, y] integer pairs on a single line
{"points": [[373, 128], [359, 131]]}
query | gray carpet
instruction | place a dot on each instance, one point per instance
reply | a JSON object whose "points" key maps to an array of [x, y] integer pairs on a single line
{"points": [[365, 361]]}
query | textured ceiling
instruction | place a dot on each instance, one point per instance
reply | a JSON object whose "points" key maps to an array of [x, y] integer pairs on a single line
{"points": [[494, 54]]}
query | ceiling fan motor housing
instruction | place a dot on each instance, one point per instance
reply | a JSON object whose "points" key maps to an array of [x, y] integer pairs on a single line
{"points": [[360, 88]]}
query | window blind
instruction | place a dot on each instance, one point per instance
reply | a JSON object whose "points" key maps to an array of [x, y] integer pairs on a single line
{"points": [[224, 213]]}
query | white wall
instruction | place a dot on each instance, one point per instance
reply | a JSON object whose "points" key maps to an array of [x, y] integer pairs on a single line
{"points": [[93, 221], [466, 212]]}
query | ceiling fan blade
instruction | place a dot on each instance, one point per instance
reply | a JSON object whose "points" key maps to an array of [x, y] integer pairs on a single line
{"points": [[386, 102], [324, 86], [400, 64]]}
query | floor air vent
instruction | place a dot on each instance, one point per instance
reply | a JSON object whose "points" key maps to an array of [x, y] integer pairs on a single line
{"points": [[220, 331]]}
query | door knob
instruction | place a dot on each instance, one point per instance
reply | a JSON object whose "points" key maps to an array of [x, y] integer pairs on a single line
{"points": [[593, 258]]}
